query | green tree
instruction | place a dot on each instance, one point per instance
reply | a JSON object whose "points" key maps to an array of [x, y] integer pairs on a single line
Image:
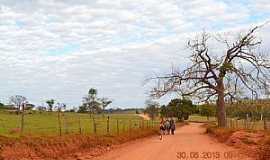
{"points": [[50, 104], [180, 108], [90, 103], [92, 93], [164, 111]]}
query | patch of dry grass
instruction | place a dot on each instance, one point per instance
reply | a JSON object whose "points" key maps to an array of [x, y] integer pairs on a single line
{"points": [[222, 134]]}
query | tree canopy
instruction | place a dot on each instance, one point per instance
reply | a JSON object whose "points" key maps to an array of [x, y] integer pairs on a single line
{"points": [[180, 108], [50, 104]]}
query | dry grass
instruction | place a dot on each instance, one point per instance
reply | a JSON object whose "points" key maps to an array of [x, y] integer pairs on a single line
{"points": [[222, 134], [63, 147]]}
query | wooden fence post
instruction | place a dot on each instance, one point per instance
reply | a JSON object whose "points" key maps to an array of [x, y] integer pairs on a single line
{"points": [[123, 128], [246, 121], [108, 125], [94, 126], [66, 125], [80, 127], [117, 126], [129, 128], [22, 121], [59, 122]]}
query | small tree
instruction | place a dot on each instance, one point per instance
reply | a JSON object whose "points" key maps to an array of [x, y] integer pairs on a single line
{"points": [[50, 104], [17, 101], [151, 108], [90, 103]]}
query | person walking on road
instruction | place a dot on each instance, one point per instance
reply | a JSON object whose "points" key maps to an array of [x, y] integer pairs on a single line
{"points": [[167, 126], [161, 128], [172, 124]]}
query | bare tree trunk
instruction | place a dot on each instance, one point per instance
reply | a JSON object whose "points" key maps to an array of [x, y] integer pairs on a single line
{"points": [[18, 109], [221, 113], [103, 112]]}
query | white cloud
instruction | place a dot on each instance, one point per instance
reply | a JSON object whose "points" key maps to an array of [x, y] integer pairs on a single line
{"points": [[262, 5], [119, 43]]}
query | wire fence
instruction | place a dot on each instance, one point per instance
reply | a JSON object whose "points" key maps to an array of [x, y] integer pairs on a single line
{"points": [[248, 124], [53, 125]]}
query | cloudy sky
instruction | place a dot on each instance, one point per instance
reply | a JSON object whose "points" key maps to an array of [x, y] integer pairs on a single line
{"points": [[61, 48]]}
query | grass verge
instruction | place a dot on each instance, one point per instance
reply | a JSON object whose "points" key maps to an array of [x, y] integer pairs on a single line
{"points": [[65, 147]]}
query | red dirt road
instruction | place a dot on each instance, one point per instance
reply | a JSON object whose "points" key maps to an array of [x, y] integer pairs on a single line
{"points": [[189, 141]]}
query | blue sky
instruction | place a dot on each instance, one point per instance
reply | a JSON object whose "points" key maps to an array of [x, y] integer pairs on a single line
{"points": [[60, 49], [68, 48]]}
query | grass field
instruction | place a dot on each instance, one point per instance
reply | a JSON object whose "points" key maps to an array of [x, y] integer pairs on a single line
{"points": [[47, 123], [198, 118]]}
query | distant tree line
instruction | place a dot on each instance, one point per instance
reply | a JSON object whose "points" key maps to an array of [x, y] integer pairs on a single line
{"points": [[178, 108]]}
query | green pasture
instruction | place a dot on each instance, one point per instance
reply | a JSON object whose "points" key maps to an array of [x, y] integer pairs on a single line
{"points": [[47, 123], [199, 118]]}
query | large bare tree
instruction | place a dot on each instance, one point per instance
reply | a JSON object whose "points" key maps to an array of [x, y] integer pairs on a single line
{"points": [[209, 73]]}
